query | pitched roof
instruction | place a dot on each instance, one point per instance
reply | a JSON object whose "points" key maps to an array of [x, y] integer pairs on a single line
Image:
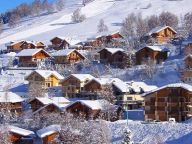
{"points": [[30, 52], [92, 104], [48, 130], [46, 73], [10, 97], [21, 131], [155, 48], [69, 40], [158, 29], [113, 50], [104, 81], [81, 77], [133, 86], [59, 101], [65, 52], [174, 85]]}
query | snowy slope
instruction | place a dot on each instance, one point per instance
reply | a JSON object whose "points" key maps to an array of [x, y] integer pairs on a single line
{"points": [[158, 133], [45, 27]]}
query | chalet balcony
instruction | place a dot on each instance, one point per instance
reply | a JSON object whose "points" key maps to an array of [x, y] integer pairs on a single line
{"points": [[149, 103], [164, 104]]}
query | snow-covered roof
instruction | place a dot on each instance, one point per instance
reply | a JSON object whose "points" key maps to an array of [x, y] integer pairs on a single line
{"points": [[104, 81], [63, 52], [21, 131], [48, 130], [69, 40], [82, 77], [158, 29], [92, 104], [30, 52], [10, 97], [155, 48], [174, 85], [133, 86], [113, 50], [47, 73], [59, 101]]}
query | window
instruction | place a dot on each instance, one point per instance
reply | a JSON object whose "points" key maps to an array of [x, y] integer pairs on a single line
{"points": [[48, 84], [129, 98]]}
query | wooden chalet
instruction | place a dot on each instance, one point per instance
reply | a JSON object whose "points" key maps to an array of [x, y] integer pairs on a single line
{"points": [[85, 108], [20, 45], [51, 104], [12, 101], [113, 56], [161, 34], [129, 94], [49, 134], [31, 57], [19, 135], [155, 54], [67, 56], [44, 78], [74, 84], [58, 42], [93, 88], [170, 101], [92, 109], [186, 73]]}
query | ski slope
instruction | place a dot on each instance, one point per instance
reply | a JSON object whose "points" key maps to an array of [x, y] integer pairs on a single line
{"points": [[44, 27]]}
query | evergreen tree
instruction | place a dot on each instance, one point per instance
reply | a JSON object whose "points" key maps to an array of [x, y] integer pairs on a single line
{"points": [[127, 137]]}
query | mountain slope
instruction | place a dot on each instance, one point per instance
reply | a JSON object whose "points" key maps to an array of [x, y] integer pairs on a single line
{"points": [[45, 27]]}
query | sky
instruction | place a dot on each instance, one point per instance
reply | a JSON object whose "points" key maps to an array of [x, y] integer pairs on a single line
{"points": [[10, 4]]}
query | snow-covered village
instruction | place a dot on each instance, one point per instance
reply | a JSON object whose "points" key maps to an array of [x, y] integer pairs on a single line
{"points": [[96, 72]]}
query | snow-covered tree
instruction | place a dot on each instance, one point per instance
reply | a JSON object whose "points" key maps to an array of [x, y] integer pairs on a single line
{"points": [[187, 24], [141, 26], [35, 90], [60, 4], [4, 134], [150, 67], [102, 27], [168, 19], [127, 137], [77, 16], [153, 21]]}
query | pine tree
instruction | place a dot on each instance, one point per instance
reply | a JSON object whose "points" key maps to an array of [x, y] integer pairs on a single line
{"points": [[127, 137]]}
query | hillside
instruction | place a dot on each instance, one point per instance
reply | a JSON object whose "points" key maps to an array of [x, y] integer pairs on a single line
{"points": [[45, 27]]}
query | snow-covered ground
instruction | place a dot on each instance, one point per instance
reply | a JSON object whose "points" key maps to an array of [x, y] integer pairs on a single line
{"points": [[45, 27], [156, 133]]}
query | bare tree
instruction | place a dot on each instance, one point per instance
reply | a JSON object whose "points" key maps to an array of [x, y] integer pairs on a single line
{"points": [[187, 24], [14, 20], [150, 67], [60, 4], [141, 26], [102, 27], [153, 21], [46, 6], [77, 16], [36, 7], [35, 90], [1, 26], [24, 10], [128, 27], [168, 19]]}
